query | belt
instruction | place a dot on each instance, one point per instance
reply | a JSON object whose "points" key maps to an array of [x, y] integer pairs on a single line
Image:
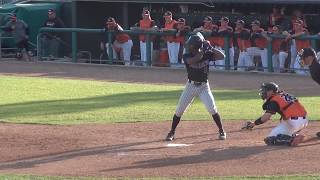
{"points": [[295, 118], [196, 82]]}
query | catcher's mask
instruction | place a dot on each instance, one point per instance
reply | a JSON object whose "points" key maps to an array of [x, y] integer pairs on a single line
{"points": [[269, 86], [194, 42]]}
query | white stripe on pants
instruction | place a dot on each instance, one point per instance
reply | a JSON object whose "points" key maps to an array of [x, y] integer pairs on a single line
{"points": [[173, 52], [190, 92], [289, 127]]}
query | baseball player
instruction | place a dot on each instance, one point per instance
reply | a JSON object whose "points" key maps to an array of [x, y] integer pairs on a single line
{"points": [[298, 44], [279, 51], [146, 23], [293, 116], [242, 37], [259, 43], [122, 43], [172, 44], [224, 30], [20, 32], [309, 58], [198, 53]]}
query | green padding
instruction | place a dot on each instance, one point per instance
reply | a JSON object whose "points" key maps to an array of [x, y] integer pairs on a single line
{"points": [[33, 14]]}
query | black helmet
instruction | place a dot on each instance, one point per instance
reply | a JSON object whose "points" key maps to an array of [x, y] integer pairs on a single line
{"points": [[195, 40], [268, 86]]}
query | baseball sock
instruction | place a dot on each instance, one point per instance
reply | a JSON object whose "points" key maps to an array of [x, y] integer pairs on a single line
{"points": [[217, 120], [175, 123]]}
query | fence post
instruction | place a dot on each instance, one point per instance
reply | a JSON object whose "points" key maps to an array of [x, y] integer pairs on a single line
{"points": [[110, 48], [226, 51], [148, 48], [314, 44], [269, 54], [0, 45], [74, 34]]}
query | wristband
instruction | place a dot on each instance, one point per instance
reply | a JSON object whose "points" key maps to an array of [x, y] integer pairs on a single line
{"points": [[258, 121]]}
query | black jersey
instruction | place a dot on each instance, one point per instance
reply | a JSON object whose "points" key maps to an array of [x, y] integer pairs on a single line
{"points": [[199, 71], [315, 71]]}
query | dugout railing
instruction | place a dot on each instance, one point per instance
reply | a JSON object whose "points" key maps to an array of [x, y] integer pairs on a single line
{"points": [[108, 36]]}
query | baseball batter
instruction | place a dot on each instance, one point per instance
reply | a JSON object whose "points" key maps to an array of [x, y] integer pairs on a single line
{"points": [[293, 116], [198, 53]]}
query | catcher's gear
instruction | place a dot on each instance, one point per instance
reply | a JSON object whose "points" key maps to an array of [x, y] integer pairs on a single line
{"points": [[269, 86], [248, 125]]}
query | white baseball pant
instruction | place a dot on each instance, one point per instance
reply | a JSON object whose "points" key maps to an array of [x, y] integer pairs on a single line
{"points": [[278, 61], [143, 51], [221, 63], [263, 53], [289, 127], [190, 92], [173, 51], [243, 61]]}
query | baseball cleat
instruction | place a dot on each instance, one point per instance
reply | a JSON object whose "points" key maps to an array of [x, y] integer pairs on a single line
{"points": [[170, 136], [297, 140], [318, 134], [222, 135]]}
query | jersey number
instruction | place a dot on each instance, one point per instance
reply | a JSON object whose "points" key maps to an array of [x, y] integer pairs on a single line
{"points": [[289, 98]]}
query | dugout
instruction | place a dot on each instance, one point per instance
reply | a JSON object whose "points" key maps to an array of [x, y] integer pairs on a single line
{"points": [[92, 14]]}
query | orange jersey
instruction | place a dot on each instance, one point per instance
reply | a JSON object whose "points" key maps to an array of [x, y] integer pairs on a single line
{"points": [[222, 34], [258, 40], [286, 105], [145, 24], [300, 44], [243, 39], [171, 26]]}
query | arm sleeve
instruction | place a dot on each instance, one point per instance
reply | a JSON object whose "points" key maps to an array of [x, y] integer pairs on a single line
{"points": [[271, 107]]}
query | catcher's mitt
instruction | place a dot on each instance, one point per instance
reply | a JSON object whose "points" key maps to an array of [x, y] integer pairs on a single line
{"points": [[248, 125]]}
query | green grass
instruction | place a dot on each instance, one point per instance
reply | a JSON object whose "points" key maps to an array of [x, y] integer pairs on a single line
{"points": [[27, 177], [61, 101]]}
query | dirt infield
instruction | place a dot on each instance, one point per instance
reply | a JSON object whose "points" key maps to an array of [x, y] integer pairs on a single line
{"points": [[138, 149]]}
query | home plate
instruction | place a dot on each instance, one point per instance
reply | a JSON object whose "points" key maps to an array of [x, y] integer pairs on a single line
{"points": [[178, 145]]}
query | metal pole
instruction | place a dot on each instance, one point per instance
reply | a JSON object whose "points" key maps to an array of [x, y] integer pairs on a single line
{"points": [[74, 34], [38, 46], [0, 45], [110, 47], [148, 48], [314, 44], [269, 51], [227, 53]]}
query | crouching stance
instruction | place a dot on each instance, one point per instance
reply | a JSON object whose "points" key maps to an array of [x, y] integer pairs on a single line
{"points": [[293, 116], [197, 54]]}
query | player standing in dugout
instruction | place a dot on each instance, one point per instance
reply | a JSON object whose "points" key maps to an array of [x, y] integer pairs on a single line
{"points": [[309, 58]]}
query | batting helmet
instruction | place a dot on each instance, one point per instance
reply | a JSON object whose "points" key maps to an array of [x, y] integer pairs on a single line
{"points": [[268, 86], [195, 41]]}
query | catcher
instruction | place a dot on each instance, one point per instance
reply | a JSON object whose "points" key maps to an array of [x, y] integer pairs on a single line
{"points": [[293, 116]]}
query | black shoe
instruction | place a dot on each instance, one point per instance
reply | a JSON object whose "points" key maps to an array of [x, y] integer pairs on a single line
{"points": [[170, 136], [318, 134], [222, 135]]}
